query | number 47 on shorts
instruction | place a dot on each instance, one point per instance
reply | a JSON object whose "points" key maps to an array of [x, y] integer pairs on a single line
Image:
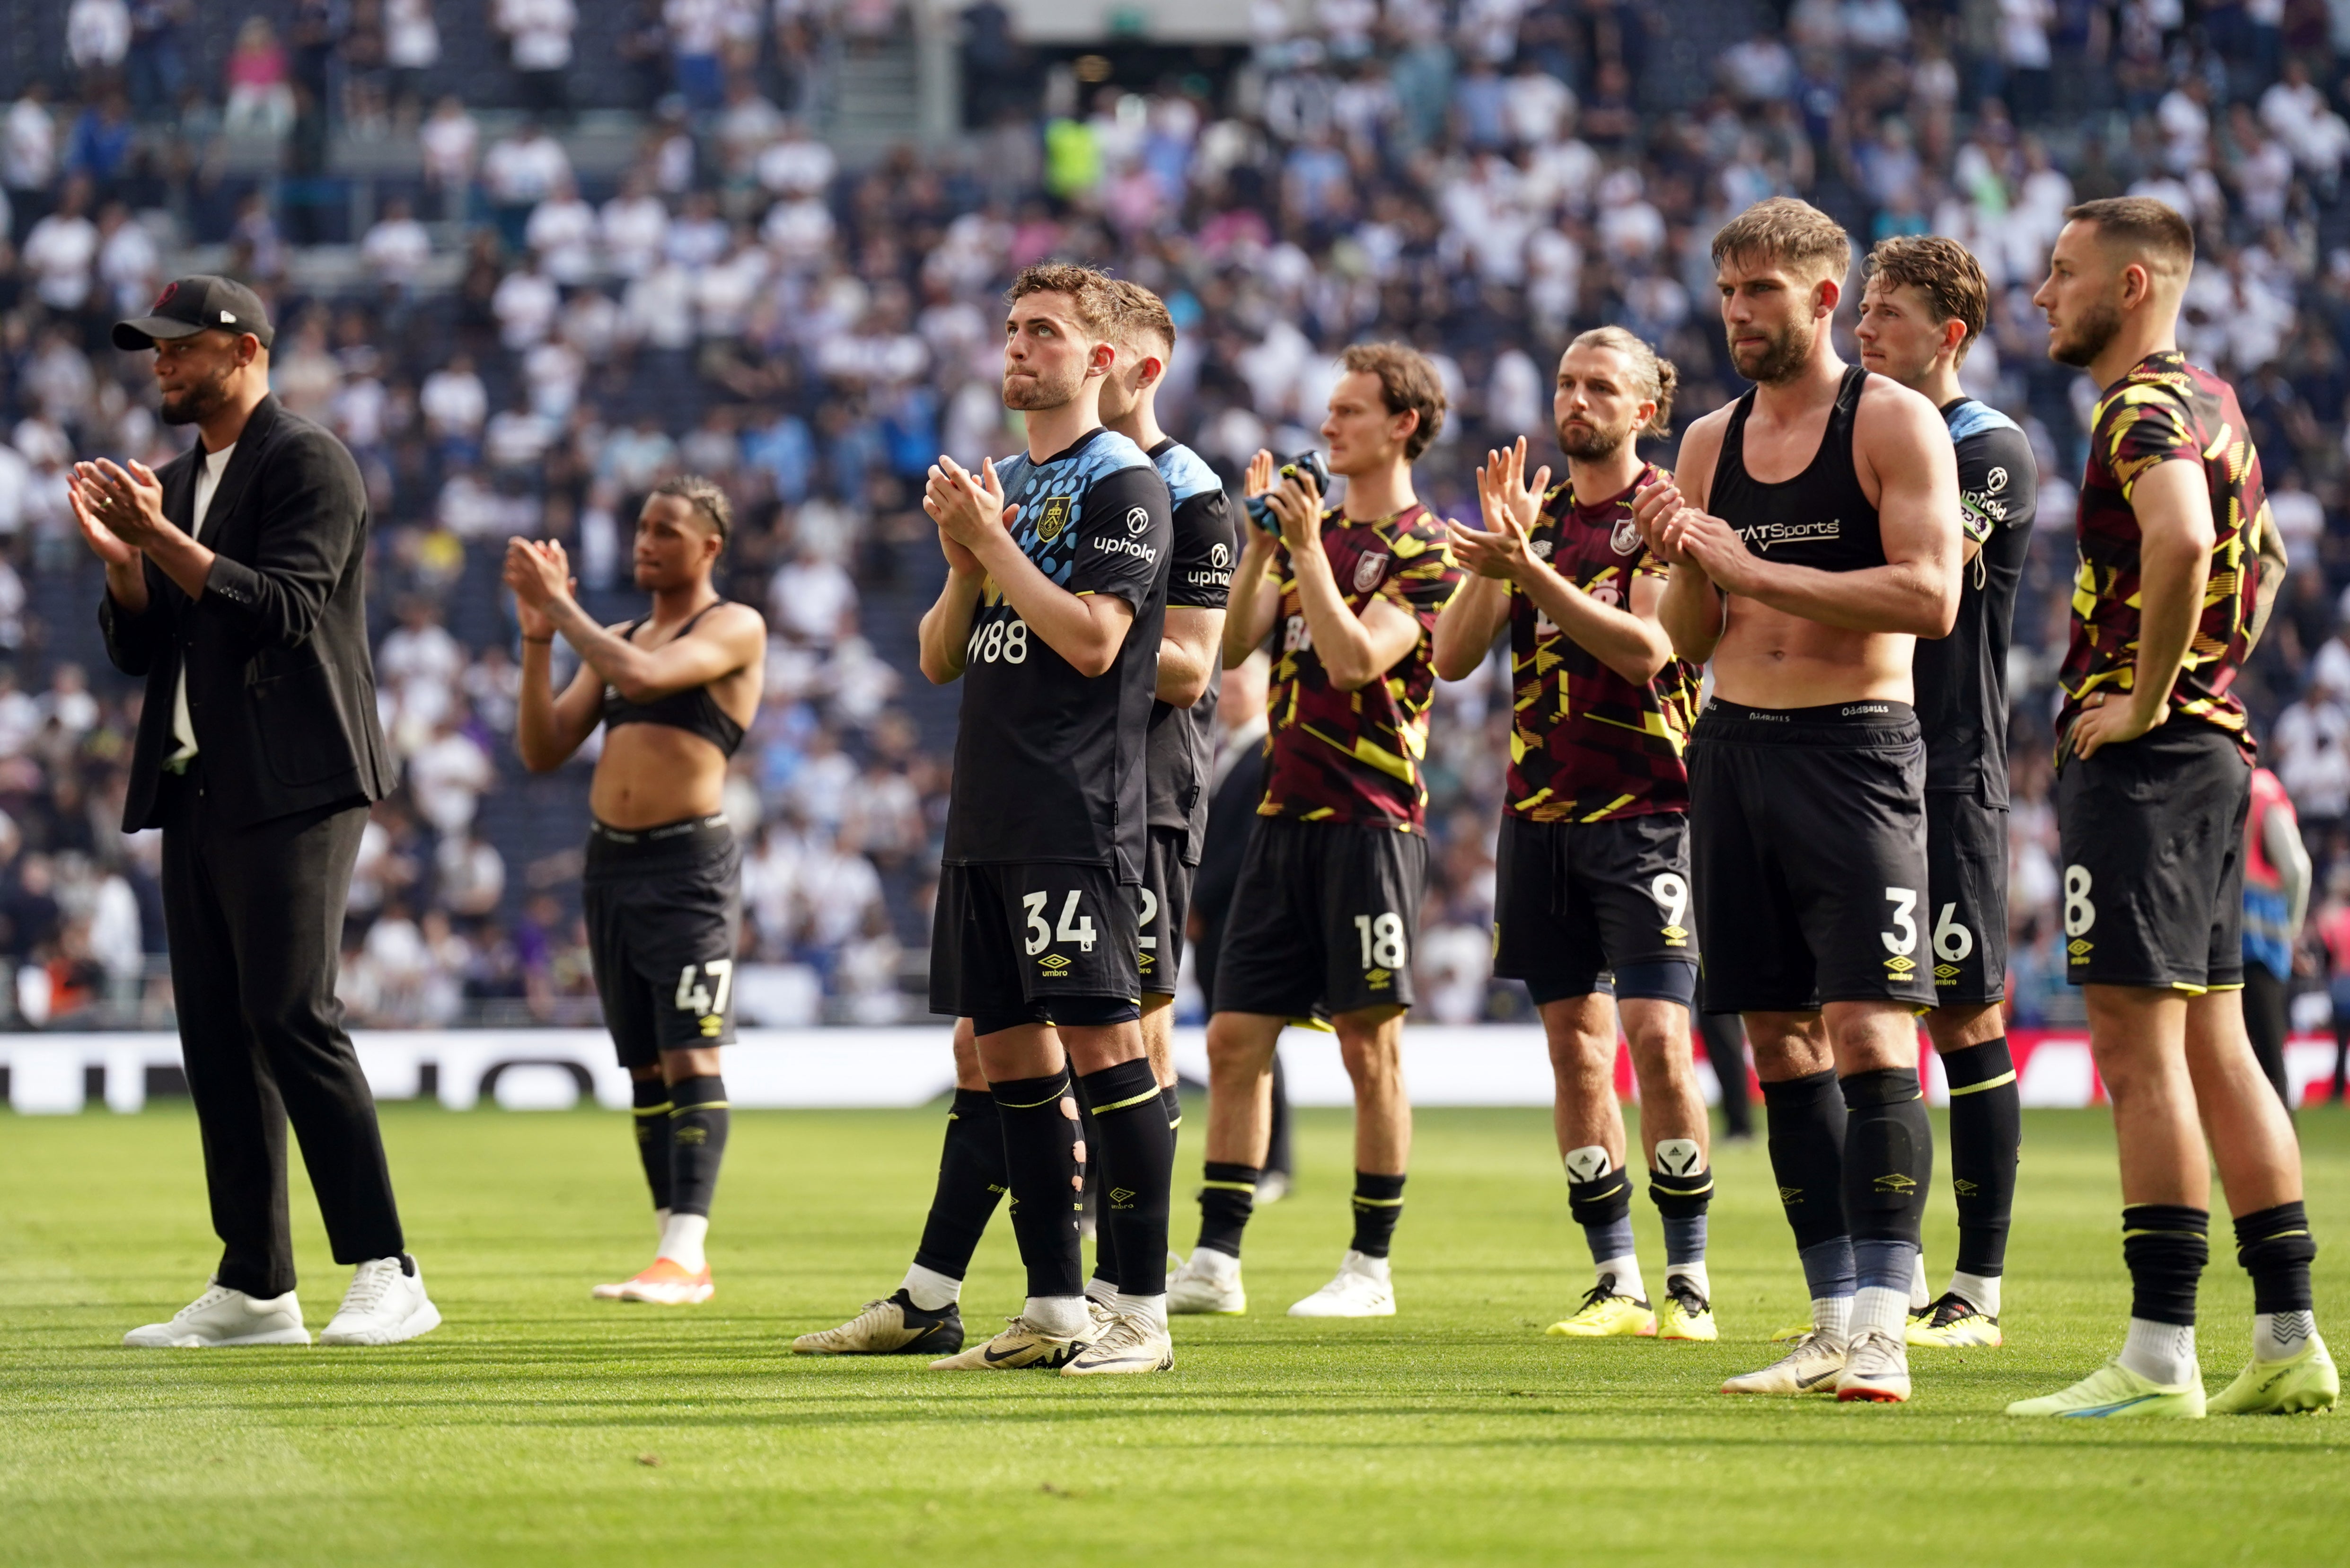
{"points": [[708, 1005]]}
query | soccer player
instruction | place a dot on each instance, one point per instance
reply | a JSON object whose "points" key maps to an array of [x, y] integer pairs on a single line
{"points": [[2154, 764], [1812, 532], [1593, 887], [1051, 616], [2277, 879], [922, 1315], [1327, 908], [1924, 306], [663, 886]]}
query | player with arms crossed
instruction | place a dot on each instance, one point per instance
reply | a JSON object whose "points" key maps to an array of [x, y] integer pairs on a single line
{"points": [[663, 886], [1051, 617], [1812, 532], [1592, 902], [2153, 784], [922, 1315], [1924, 306], [1324, 918]]}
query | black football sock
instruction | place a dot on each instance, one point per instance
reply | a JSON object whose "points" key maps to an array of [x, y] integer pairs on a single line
{"points": [[1681, 1201], [2276, 1247], [652, 1108], [1227, 1198], [1889, 1160], [1095, 1159], [1172, 1098], [971, 1183], [1040, 1158], [1378, 1204], [697, 1137], [1986, 1130], [1805, 1120], [2165, 1246], [1130, 1119]]}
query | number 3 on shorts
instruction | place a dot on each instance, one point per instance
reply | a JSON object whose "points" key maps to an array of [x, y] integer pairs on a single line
{"points": [[694, 997]]}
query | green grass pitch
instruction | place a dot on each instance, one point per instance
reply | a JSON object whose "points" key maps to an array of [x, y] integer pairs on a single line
{"points": [[538, 1427]]}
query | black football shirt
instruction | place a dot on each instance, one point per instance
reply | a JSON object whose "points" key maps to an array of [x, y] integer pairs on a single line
{"points": [[1049, 764], [1182, 740], [1961, 678]]}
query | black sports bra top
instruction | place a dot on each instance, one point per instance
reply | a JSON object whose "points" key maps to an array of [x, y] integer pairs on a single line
{"points": [[695, 709], [1820, 518]]}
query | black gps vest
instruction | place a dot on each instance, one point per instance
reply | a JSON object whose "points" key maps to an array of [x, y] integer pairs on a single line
{"points": [[1820, 518]]}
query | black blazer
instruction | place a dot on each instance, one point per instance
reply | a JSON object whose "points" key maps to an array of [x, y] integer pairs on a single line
{"points": [[281, 687]]}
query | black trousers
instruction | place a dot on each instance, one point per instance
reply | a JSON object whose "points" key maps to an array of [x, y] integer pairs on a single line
{"points": [[254, 918]]}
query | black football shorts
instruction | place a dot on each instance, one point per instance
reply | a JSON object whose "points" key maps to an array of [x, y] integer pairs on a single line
{"points": [[1166, 894], [2153, 836], [1575, 902], [1324, 920], [1008, 938], [1966, 882], [664, 912], [1808, 832]]}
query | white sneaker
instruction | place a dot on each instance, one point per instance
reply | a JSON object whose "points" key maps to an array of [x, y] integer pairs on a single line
{"points": [[223, 1316], [1876, 1369], [1129, 1343], [1812, 1365], [1362, 1289], [385, 1304], [1271, 1186], [1210, 1281]]}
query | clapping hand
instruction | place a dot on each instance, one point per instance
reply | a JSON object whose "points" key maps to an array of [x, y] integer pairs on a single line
{"points": [[1511, 505]]}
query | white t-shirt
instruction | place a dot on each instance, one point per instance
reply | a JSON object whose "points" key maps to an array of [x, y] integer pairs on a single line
{"points": [[209, 469]]}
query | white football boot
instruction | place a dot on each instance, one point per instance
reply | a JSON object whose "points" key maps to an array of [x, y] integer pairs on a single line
{"points": [[1362, 1289], [1812, 1365], [221, 1316], [385, 1304], [1207, 1282]]}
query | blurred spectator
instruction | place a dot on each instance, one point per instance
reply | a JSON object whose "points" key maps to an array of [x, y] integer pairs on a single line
{"points": [[260, 96], [537, 34]]}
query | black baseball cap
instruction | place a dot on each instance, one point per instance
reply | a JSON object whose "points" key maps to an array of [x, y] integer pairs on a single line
{"points": [[192, 305]]}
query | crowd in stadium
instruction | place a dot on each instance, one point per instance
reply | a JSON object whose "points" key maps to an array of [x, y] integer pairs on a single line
{"points": [[524, 348]]}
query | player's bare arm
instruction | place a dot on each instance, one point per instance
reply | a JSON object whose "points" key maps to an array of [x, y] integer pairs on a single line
{"points": [[733, 637], [1900, 444], [1355, 650], [1630, 642], [2173, 504], [1691, 610], [1187, 649], [945, 632], [1088, 629]]}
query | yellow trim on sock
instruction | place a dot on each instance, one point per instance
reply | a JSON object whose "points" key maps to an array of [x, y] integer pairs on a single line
{"points": [[653, 1110], [705, 1106], [1151, 1094], [1060, 1094], [1248, 1186], [1379, 1202], [2006, 1077]]}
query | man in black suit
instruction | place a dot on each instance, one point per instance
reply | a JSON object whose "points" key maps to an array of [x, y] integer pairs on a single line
{"points": [[234, 586]]}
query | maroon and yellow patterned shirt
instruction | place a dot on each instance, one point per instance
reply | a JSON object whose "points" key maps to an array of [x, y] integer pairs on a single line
{"points": [[1355, 756], [2163, 410], [1586, 745]]}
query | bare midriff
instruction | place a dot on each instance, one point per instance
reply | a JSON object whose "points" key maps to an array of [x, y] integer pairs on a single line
{"points": [[1769, 659], [655, 773]]}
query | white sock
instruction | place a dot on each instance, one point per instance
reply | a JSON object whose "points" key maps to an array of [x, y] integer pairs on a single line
{"points": [[2161, 1353], [1210, 1264], [1063, 1317], [1831, 1315], [1101, 1290], [1980, 1290], [1627, 1273], [1918, 1299], [682, 1238], [1882, 1309], [1153, 1309], [931, 1290], [1694, 1273], [2279, 1336]]}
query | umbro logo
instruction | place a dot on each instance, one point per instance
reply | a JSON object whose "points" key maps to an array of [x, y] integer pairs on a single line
{"points": [[1054, 962], [1896, 1181]]}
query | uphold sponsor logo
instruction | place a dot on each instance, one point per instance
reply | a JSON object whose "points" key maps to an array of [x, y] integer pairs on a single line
{"points": [[1137, 519], [1127, 547]]}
